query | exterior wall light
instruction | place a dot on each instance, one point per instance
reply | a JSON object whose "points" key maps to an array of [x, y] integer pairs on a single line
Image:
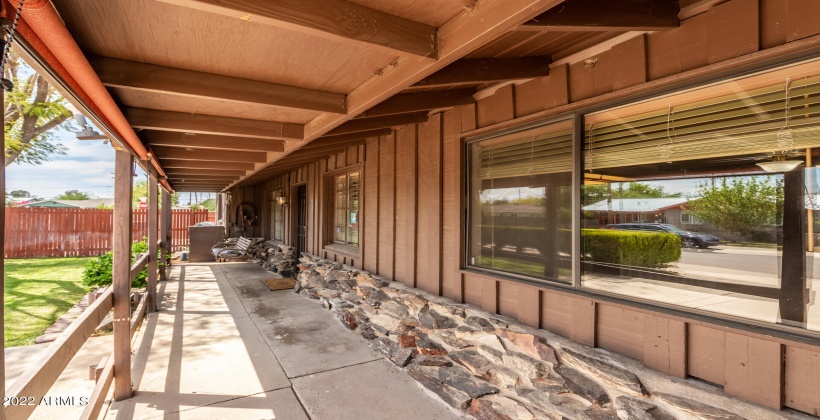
{"points": [[281, 200]]}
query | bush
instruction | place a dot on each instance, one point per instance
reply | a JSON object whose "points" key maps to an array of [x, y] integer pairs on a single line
{"points": [[637, 249], [98, 272]]}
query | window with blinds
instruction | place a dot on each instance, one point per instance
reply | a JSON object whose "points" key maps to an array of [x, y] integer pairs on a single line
{"points": [[724, 177], [346, 209], [520, 202]]}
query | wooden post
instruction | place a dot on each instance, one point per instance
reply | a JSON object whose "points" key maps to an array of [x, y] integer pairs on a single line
{"points": [[164, 235], [153, 207], [793, 285], [2, 266], [123, 167]]}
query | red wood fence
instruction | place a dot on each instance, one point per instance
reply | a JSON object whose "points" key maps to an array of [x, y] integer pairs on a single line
{"points": [[59, 232]]}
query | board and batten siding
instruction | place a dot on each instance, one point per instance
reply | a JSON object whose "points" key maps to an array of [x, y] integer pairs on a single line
{"points": [[413, 204]]}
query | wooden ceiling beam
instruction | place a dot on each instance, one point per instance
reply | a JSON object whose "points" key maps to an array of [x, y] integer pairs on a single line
{"points": [[168, 80], [204, 164], [149, 119], [412, 102], [205, 154], [461, 35], [335, 143], [177, 172], [337, 20], [487, 70], [347, 137], [207, 141], [607, 15], [374, 123], [206, 178]]}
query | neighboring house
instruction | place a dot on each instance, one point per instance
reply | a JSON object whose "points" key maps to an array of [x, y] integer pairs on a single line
{"points": [[635, 210], [74, 204]]}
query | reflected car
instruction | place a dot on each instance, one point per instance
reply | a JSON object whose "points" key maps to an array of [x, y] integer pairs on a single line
{"points": [[688, 239]]}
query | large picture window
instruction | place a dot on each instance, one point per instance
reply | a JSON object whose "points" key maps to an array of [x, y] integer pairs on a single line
{"points": [[722, 180], [346, 189], [520, 202]]}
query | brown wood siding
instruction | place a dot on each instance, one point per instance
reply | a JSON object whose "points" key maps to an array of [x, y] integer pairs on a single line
{"points": [[428, 246], [387, 200], [620, 330], [370, 218], [450, 208]]}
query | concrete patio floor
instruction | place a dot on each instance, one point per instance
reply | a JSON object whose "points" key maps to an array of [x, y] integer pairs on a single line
{"points": [[224, 346]]}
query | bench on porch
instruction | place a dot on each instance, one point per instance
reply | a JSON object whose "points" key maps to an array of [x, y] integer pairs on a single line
{"points": [[231, 251]]}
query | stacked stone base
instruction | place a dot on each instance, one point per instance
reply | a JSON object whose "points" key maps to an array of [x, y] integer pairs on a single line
{"points": [[275, 257], [492, 367]]}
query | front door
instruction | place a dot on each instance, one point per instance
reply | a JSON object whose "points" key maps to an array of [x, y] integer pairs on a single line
{"points": [[301, 220]]}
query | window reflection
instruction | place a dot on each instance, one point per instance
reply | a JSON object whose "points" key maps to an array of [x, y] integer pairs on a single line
{"points": [[520, 210], [692, 199]]}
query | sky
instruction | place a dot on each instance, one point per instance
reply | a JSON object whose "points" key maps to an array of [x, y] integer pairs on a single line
{"points": [[86, 166]]}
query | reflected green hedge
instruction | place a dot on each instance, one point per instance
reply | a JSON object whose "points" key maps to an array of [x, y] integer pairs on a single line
{"points": [[637, 249]]}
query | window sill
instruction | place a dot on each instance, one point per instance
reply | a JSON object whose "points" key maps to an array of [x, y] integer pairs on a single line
{"points": [[352, 251]]}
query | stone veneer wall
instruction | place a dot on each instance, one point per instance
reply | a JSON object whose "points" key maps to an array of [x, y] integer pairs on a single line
{"points": [[492, 367]]}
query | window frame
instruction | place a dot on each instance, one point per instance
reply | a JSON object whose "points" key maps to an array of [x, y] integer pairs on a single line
{"points": [[272, 219], [329, 219], [692, 79]]}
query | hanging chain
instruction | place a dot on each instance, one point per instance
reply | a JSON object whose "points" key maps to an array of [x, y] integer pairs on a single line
{"points": [[785, 138], [7, 84], [667, 150]]}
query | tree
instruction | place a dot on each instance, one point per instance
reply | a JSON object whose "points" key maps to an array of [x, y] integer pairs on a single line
{"points": [[33, 109], [20, 194], [141, 190], [741, 205], [74, 195], [209, 204], [596, 193]]}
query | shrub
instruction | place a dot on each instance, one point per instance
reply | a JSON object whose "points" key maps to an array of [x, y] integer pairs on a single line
{"points": [[98, 272], [637, 249]]}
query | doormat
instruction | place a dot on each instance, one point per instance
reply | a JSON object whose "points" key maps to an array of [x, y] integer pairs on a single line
{"points": [[280, 284]]}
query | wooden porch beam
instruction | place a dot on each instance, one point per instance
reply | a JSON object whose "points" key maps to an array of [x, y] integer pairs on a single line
{"points": [[335, 143], [487, 70], [134, 75], [123, 167], [149, 119], [412, 102], [206, 141], [200, 164], [607, 15], [176, 172], [374, 123], [203, 177], [461, 35], [337, 20], [164, 152], [346, 137]]}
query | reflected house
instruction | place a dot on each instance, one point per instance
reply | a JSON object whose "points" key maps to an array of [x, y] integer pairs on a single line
{"points": [[637, 210]]}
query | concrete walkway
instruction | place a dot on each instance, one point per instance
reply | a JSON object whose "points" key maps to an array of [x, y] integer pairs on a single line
{"points": [[224, 346]]}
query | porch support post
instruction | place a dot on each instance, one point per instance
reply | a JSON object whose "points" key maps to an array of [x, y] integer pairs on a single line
{"points": [[123, 166], [153, 207], [2, 265], [164, 233], [793, 285]]}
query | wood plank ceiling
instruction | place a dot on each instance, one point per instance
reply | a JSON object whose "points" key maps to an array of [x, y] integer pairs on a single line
{"points": [[227, 91]]}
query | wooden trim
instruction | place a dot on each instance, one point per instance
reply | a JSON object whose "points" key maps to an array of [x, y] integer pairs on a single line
{"points": [[123, 274], [374, 123], [701, 6], [133, 75], [97, 398], [337, 20], [165, 152], [150, 119], [413, 102], [36, 381], [633, 15], [487, 70], [206, 141]]}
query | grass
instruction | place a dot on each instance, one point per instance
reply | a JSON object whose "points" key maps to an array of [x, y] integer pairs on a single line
{"points": [[517, 266], [37, 292]]}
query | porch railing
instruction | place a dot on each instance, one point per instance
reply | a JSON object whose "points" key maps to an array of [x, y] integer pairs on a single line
{"points": [[38, 379]]}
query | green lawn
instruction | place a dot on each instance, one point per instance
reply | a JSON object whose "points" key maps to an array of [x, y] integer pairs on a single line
{"points": [[38, 291]]}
